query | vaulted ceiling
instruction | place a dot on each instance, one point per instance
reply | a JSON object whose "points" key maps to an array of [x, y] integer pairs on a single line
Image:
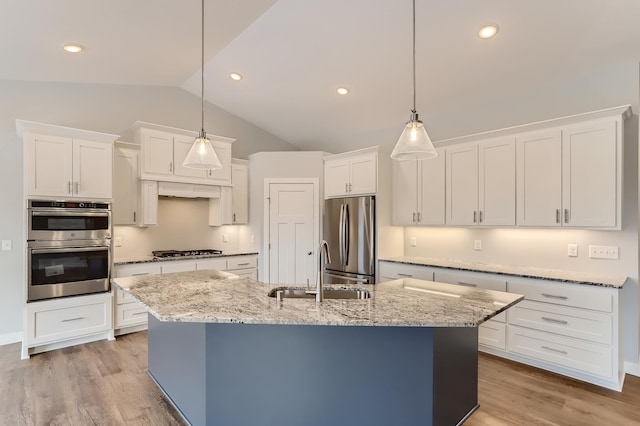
{"points": [[294, 54]]}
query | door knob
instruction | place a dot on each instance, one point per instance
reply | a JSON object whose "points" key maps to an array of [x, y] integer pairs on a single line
{"points": [[309, 253]]}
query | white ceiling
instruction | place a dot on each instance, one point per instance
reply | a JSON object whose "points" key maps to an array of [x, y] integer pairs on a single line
{"points": [[295, 53]]}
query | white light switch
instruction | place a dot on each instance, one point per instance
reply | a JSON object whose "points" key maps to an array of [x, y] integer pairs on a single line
{"points": [[6, 245], [225, 238], [117, 241], [477, 244], [414, 242], [572, 250], [603, 252]]}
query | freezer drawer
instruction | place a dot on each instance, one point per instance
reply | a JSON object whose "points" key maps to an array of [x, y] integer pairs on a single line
{"points": [[332, 277]]}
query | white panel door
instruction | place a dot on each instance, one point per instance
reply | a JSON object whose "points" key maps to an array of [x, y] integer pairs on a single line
{"points": [[157, 153], [539, 177], [125, 183], [48, 163], [589, 174], [431, 190], [223, 175], [497, 182], [181, 147], [405, 192], [292, 221], [92, 169], [240, 180], [336, 177], [462, 184], [363, 174]]}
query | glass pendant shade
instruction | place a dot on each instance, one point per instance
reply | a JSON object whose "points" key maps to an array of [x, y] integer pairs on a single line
{"points": [[414, 142], [202, 155]]}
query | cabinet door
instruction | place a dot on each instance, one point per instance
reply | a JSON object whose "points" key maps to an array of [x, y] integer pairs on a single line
{"points": [[181, 147], [589, 174], [178, 266], [92, 169], [462, 185], [405, 192], [125, 182], [363, 177], [222, 176], [157, 153], [431, 190], [48, 165], [148, 203], [497, 182], [539, 177], [336, 177], [240, 195]]}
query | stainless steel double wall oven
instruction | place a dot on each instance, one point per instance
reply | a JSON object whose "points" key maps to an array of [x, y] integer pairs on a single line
{"points": [[68, 248]]}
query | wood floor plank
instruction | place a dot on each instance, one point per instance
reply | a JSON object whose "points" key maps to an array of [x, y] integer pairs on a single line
{"points": [[105, 383]]}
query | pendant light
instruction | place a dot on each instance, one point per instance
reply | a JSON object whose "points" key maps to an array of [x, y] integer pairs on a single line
{"points": [[414, 142], [201, 155]]}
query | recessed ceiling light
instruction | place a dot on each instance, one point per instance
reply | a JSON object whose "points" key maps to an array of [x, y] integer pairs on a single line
{"points": [[488, 31], [73, 48], [235, 76], [342, 91]]}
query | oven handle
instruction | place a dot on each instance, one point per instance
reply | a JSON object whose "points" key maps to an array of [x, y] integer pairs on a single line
{"points": [[68, 249], [76, 213]]}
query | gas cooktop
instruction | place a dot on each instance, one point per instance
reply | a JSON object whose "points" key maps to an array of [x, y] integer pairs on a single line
{"points": [[180, 253]]}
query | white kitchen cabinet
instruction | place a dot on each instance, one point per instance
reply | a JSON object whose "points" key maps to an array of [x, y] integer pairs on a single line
{"points": [[223, 175], [148, 203], [571, 176], [389, 271], [125, 184], [181, 147], [351, 174], [129, 315], [58, 323], [67, 167], [480, 183], [240, 193], [221, 208], [419, 191], [178, 266]]}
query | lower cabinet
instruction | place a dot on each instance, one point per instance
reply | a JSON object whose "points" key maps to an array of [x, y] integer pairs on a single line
{"points": [[130, 316], [570, 329], [58, 323]]}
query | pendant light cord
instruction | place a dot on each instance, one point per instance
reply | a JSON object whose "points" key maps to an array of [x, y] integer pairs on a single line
{"points": [[202, 71], [414, 56]]}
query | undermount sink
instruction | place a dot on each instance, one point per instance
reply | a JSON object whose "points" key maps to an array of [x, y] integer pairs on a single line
{"points": [[329, 293]]}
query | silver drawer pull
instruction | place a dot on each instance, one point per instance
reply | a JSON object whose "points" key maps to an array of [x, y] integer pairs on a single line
{"points": [[139, 273], [554, 296], [404, 275], [467, 284], [243, 264], [139, 313], [560, 351], [73, 319], [557, 321]]}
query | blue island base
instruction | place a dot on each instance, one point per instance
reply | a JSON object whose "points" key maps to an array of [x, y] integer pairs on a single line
{"points": [[293, 375]]}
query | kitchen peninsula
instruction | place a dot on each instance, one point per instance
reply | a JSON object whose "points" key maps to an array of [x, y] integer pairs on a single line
{"points": [[226, 353]]}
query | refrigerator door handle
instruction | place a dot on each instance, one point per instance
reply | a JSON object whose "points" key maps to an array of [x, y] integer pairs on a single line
{"points": [[357, 280], [347, 235], [340, 235]]}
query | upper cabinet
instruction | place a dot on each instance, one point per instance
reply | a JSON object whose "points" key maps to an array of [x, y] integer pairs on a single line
{"points": [[240, 193], [419, 191], [481, 181], [65, 162], [163, 149], [351, 174], [571, 176]]}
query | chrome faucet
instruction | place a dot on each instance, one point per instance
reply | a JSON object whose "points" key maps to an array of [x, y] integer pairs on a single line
{"points": [[324, 248]]}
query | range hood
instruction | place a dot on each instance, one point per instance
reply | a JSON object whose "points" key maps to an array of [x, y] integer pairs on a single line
{"points": [[188, 190]]}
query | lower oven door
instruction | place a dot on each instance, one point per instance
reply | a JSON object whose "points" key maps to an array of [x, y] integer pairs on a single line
{"points": [[59, 269]]}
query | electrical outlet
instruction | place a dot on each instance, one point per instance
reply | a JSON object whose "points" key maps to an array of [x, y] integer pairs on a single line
{"points": [[603, 252], [572, 250], [477, 244], [225, 238], [6, 245], [414, 242], [253, 238], [117, 241]]}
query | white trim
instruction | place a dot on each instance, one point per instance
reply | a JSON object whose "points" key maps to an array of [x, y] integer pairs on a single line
{"points": [[8, 338], [632, 368], [264, 275], [25, 126], [351, 153], [145, 125]]}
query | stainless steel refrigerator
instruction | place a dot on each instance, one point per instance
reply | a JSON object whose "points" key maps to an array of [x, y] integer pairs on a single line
{"points": [[350, 230]]}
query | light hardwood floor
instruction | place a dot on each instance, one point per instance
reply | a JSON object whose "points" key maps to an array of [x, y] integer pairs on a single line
{"points": [[105, 383]]}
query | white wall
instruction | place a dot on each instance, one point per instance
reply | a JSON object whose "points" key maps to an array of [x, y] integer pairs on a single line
{"points": [[103, 108]]}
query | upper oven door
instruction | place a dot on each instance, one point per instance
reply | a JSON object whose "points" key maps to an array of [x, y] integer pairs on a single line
{"points": [[61, 224]]}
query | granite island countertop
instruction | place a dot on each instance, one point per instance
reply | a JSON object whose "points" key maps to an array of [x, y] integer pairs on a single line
{"points": [[212, 296], [574, 277], [149, 259]]}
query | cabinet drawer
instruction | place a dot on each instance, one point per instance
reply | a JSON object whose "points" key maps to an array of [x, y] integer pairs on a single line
{"points": [[242, 263], [219, 264], [135, 269], [130, 314], [579, 323], [493, 333], [575, 295], [572, 354], [247, 273], [57, 323], [396, 271]]}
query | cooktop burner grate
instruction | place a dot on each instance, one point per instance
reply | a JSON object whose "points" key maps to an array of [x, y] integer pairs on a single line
{"points": [[180, 253]]}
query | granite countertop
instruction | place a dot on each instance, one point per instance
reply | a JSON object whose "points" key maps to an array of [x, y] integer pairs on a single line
{"points": [[588, 278], [219, 297], [148, 259]]}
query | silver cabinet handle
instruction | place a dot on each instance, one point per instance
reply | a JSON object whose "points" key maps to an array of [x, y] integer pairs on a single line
{"points": [[234, 217], [467, 284], [480, 216], [69, 184], [171, 166], [350, 188], [566, 215], [419, 217], [346, 187], [139, 313], [557, 215], [553, 320], [554, 296], [134, 216], [414, 217], [404, 275], [243, 264], [139, 274], [475, 216], [554, 350], [72, 319]]}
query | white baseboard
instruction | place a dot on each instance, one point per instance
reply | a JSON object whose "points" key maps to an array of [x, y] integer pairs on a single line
{"points": [[632, 368], [6, 339]]}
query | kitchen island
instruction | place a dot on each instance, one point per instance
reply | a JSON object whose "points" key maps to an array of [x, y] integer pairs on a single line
{"points": [[225, 353]]}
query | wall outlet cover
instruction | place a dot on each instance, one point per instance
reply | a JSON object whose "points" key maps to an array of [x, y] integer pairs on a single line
{"points": [[6, 245], [572, 250], [477, 244], [414, 242], [117, 241], [603, 252]]}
